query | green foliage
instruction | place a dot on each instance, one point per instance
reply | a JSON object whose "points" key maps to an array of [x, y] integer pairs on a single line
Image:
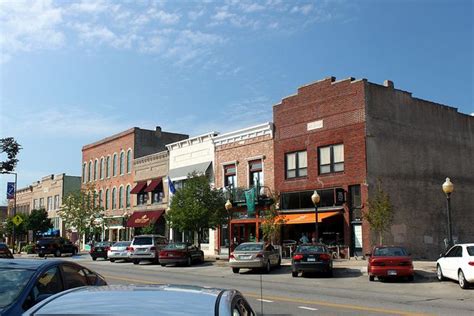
{"points": [[272, 221], [11, 148], [149, 229], [38, 222], [28, 248], [197, 207], [380, 213]]}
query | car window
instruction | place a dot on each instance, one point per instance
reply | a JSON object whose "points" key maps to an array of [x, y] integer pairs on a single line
{"points": [[73, 276], [311, 248], [470, 250], [48, 283], [390, 252], [102, 244], [142, 241], [122, 244], [458, 252], [160, 241], [12, 282], [451, 252], [249, 247], [175, 246]]}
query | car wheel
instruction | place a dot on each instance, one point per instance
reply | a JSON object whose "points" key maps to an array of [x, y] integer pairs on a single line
{"points": [[136, 261], [279, 262], [163, 265], [268, 267], [294, 274], [201, 259], [189, 262], [94, 258], [411, 278], [371, 278], [439, 273], [41, 255], [235, 270], [462, 280], [57, 253], [112, 260], [74, 252], [329, 274]]}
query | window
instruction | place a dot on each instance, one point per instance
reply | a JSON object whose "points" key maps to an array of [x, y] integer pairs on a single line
{"points": [[296, 164], [84, 167], [89, 173], [56, 202], [229, 176], [35, 204], [95, 169], [101, 169], [256, 173], [156, 196], [114, 198], [129, 161], [41, 205], [127, 196], [142, 198], [101, 202], [114, 166], [121, 197], [122, 162], [107, 167], [73, 277], [50, 203], [107, 199], [48, 283], [331, 159]]}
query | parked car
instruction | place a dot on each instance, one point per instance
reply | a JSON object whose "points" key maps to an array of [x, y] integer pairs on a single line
{"points": [[55, 246], [5, 252], [390, 262], [100, 249], [119, 251], [147, 247], [181, 253], [311, 258], [151, 300], [253, 255], [24, 283], [457, 264]]}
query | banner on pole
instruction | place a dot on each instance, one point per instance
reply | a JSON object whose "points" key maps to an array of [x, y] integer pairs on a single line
{"points": [[10, 190]]}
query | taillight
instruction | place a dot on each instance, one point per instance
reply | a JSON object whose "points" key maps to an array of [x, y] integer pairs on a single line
{"points": [[259, 255], [231, 256], [297, 257], [130, 249], [163, 253], [324, 256], [107, 248], [378, 263], [471, 263], [405, 263], [92, 249]]}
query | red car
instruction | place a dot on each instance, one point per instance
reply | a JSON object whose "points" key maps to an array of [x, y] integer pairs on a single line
{"points": [[390, 262], [181, 253]]}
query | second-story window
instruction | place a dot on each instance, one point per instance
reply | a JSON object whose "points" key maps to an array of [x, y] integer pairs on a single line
{"points": [[230, 176], [127, 196], [95, 169], [107, 167], [121, 197], [129, 161], [101, 168], [122, 162], [84, 167], [114, 198], [331, 159], [114, 166], [256, 173], [142, 198], [107, 199], [89, 172], [296, 164]]}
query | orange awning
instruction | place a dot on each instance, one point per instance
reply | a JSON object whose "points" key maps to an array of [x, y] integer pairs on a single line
{"points": [[305, 218]]}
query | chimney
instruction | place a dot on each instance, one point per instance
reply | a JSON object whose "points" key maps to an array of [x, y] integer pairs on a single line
{"points": [[388, 84], [158, 131]]}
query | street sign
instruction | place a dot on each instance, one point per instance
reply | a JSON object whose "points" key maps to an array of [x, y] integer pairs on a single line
{"points": [[17, 220], [10, 190]]}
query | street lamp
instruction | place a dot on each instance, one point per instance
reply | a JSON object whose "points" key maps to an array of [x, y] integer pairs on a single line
{"points": [[316, 198], [14, 206], [228, 207], [448, 188]]}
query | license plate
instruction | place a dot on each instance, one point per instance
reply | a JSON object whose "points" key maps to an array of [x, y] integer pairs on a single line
{"points": [[170, 255], [391, 272], [311, 260], [141, 250], [245, 257], [98, 249], [42, 247]]}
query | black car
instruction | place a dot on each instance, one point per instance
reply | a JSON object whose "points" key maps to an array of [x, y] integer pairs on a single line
{"points": [[5, 252], [99, 250], [55, 246], [311, 258], [25, 282]]}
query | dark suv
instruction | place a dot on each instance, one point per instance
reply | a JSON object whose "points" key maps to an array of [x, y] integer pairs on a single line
{"points": [[55, 246]]}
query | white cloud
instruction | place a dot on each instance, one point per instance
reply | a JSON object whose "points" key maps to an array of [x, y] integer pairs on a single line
{"points": [[252, 7], [472, 114], [165, 18], [305, 9], [90, 6]]}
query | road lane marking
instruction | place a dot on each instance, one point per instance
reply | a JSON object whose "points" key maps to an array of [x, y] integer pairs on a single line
{"points": [[265, 301], [308, 308]]}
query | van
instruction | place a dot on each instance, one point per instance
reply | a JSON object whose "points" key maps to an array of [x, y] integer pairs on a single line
{"points": [[147, 247]]}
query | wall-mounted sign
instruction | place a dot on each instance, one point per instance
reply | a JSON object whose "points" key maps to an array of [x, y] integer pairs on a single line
{"points": [[315, 125]]}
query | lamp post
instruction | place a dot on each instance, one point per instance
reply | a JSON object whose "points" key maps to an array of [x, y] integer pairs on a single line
{"points": [[448, 188], [14, 205], [316, 198], [228, 207]]}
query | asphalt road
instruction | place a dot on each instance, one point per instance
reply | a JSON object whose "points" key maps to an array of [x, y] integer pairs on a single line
{"points": [[278, 293]]}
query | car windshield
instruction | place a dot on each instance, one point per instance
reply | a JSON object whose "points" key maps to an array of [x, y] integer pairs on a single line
{"points": [[310, 248], [102, 244], [45, 241], [249, 247], [175, 246], [122, 244], [390, 252], [143, 241], [12, 282], [470, 250]]}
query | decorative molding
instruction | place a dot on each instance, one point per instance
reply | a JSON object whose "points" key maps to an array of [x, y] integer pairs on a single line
{"points": [[192, 141], [244, 134]]}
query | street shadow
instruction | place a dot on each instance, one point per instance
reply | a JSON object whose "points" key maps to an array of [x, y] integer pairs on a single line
{"points": [[197, 264], [420, 277], [275, 271], [338, 273]]}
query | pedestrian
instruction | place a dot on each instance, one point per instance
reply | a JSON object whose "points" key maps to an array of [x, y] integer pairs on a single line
{"points": [[304, 239]]}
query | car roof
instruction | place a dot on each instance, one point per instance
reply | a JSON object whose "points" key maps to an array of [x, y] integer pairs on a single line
{"points": [[467, 245], [149, 235], [150, 298], [29, 264]]}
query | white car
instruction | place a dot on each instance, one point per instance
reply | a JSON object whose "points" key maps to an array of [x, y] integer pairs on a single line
{"points": [[457, 264], [119, 251]]}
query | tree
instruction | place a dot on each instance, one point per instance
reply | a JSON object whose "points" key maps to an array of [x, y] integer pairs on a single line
{"points": [[272, 221], [38, 222], [79, 209], [196, 207], [11, 148], [380, 213]]}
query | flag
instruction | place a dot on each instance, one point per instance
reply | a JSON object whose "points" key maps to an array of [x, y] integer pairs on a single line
{"points": [[171, 186], [250, 201], [10, 190]]}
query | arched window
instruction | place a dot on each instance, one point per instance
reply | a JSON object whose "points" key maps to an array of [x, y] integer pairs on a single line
{"points": [[121, 197], [101, 168], [127, 196], [122, 162], [114, 198], [107, 167], [95, 169], [114, 166], [84, 167], [89, 173], [107, 195], [101, 202], [129, 161]]}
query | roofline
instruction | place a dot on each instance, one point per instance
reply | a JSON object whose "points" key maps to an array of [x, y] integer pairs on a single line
{"points": [[243, 130], [184, 141], [110, 138]]}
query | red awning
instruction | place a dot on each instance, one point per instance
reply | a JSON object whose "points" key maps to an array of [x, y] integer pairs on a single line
{"points": [[153, 185], [144, 218], [139, 187]]}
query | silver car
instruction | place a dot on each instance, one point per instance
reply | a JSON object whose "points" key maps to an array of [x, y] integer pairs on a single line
{"points": [[147, 247], [145, 300], [254, 255], [119, 251]]}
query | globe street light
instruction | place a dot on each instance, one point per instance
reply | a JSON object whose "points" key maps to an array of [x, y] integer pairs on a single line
{"points": [[316, 198], [448, 188], [228, 207]]}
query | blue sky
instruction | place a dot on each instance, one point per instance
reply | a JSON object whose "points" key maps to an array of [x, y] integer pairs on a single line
{"points": [[73, 72]]}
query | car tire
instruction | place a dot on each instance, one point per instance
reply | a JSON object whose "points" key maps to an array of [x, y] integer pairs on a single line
{"points": [[201, 259], [294, 274], [411, 278], [235, 270], [163, 264], [94, 258], [57, 253], [371, 278], [41, 255], [279, 262], [189, 262], [112, 260], [74, 252], [136, 261], [268, 267], [439, 274], [462, 280], [329, 273]]}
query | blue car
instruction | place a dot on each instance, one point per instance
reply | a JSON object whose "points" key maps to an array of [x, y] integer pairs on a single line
{"points": [[25, 282]]}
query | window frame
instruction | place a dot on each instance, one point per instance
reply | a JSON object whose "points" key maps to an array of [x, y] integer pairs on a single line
{"points": [[332, 163], [297, 169], [230, 175]]}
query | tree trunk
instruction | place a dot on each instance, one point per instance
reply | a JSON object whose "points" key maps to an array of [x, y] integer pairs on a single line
{"points": [[380, 238]]}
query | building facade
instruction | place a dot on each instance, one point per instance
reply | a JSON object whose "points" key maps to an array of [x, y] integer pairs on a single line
{"points": [[244, 163], [107, 165]]}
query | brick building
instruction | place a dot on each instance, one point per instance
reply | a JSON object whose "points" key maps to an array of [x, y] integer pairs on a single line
{"points": [[343, 137], [244, 160], [108, 165]]}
